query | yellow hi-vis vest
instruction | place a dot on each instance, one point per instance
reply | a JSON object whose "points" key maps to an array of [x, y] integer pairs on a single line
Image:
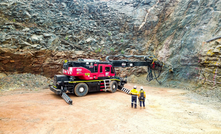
{"points": [[133, 92], [143, 94]]}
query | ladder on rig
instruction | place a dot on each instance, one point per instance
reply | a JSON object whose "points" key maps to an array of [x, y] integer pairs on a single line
{"points": [[125, 90], [107, 84]]}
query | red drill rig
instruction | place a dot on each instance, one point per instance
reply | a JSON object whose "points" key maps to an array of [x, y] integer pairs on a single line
{"points": [[86, 75]]}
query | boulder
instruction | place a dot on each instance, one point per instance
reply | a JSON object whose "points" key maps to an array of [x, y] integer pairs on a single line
{"points": [[26, 29], [36, 38], [53, 42], [217, 49], [79, 52]]}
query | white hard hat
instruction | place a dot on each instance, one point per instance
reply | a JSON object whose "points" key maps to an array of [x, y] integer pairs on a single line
{"points": [[141, 87], [135, 87]]}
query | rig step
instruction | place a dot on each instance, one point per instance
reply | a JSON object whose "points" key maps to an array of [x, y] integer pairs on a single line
{"points": [[66, 98], [125, 90]]}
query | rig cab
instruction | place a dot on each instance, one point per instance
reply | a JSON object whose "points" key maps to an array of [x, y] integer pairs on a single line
{"points": [[88, 70]]}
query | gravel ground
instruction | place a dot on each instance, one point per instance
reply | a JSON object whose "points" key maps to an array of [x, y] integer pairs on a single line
{"points": [[167, 111]]}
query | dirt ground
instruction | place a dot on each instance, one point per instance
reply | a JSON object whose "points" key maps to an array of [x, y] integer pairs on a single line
{"points": [[167, 111]]}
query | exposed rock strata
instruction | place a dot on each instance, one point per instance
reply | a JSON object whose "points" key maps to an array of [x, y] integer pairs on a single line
{"points": [[172, 30], [49, 63]]}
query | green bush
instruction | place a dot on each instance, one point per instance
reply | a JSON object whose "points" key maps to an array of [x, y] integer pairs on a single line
{"points": [[122, 51], [98, 50], [66, 38], [109, 34], [112, 49]]}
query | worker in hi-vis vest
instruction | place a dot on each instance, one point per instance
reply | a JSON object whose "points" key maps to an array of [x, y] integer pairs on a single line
{"points": [[141, 97], [134, 92]]}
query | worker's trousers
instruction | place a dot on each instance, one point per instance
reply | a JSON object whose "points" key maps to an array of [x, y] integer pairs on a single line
{"points": [[134, 101], [142, 102]]}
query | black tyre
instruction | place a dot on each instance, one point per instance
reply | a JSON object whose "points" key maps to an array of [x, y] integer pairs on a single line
{"points": [[81, 89], [113, 86]]}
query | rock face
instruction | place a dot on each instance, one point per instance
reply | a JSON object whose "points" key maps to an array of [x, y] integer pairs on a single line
{"points": [[86, 25], [44, 62], [210, 74], [47, 62], [172, 30]]}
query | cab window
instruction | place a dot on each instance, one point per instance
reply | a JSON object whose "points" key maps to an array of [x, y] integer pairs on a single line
{"points": [[95, 69], [107, 69], [112, 70], [101, 69]]}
